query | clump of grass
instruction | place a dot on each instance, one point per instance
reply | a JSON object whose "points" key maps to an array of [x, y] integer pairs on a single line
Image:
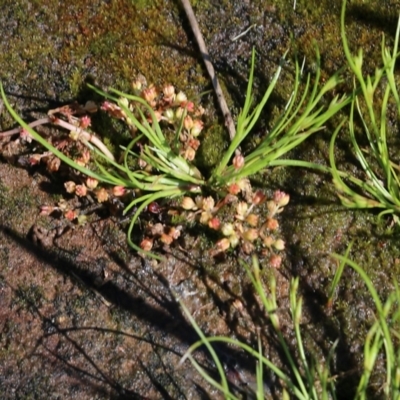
{"points": [[303, 115], [304, 377], [170, 171], [382, 338], [381, 188]]}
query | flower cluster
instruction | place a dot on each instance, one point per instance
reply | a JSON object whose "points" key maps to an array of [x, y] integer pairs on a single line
{"points": [[247, 228], [87, 189], [75, 119], [243, 219], [172, 109], [160, 232], [101, 194]]}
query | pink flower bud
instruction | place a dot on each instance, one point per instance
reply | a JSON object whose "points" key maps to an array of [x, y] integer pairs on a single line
{"points": [[188, 122], [71, 215], [241, 210], [118, 191], [112, 109], [189, 106], [252, 219], [146, 244], [214, 223], [188, 204], [85, 121], [166, 239], [149, 94], [189, 154], [275, 261], [238, 161], [102, 195], [106, 106], [197, 127], [227, 229], [250, 235], [234, 189], [169, 92], [281, 198], [279, 244], [205, 217], [223, 244], [92, 183], [180, 97], [193, 143], [81, 190], [258, 198], [272, 224], [70, 186]]}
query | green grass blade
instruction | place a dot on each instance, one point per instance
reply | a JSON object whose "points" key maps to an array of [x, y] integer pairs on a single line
{"points": [[206, 342]]}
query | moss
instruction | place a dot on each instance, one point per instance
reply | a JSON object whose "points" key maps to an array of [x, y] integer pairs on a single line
{"points": [[17, 206], [30, 297], [76, 81], [83, 40], [213, 144]]}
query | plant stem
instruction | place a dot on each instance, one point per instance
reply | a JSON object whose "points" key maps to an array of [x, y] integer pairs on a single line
{"points": [[85, 135], [14, 131], [64, 124]]}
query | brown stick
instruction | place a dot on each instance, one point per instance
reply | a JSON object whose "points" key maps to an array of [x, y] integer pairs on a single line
{"points": [[210, 69]]}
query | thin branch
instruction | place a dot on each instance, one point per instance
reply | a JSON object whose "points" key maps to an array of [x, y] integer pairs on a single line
{"points": [[210, 69], [64, 124], [14, 131]]}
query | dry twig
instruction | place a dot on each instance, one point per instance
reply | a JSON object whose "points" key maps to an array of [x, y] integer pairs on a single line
{"points": [[206, 58]]}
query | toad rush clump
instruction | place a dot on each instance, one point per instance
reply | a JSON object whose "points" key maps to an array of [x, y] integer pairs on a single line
{"points": [[158, 160]]}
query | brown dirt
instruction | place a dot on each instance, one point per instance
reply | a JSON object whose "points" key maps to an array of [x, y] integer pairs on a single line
{"points": [[82, 317]]}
